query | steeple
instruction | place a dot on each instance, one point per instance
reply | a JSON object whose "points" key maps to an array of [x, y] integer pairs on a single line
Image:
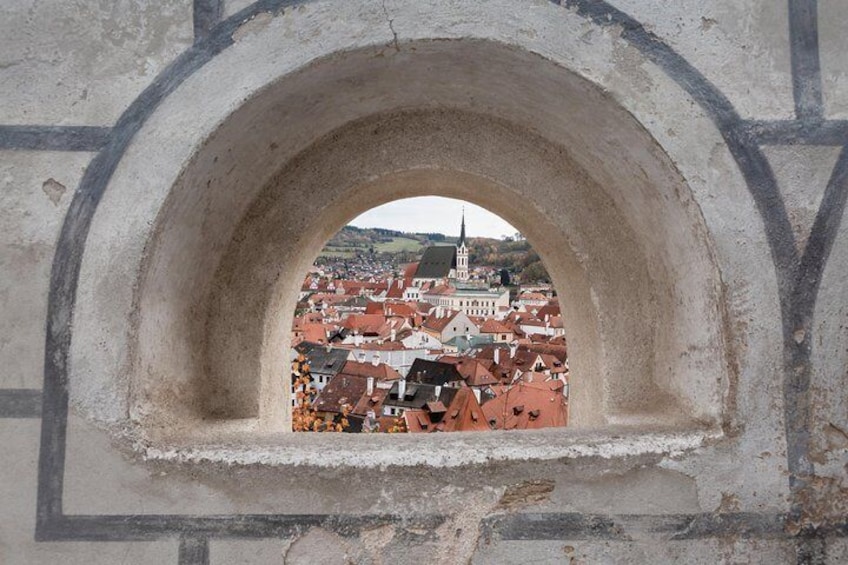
{"points": [[462, 230], [462, 252]]}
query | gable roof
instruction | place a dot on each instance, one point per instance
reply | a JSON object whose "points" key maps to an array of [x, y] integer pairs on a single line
{"points": [[381, 372], [367, 324], [436, 262], [322, 361], [433, 372], [417, 395], [436, 324], [462, 415], [492, 326], [341, 390], [528, 406]]}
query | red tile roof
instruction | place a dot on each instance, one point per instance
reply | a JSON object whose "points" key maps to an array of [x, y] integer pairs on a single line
{"points": [[528, 406], [491, 326], [381, 372], [367, 324], [438, 325]]}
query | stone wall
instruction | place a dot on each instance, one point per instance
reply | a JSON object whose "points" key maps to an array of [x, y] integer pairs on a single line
{"points": [[168, 170]]}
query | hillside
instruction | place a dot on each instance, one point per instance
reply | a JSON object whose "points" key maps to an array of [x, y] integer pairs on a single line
{"points": [[518, 257]]}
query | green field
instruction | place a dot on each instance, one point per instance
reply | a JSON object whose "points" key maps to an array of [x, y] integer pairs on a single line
{"points": [[396, 245]]}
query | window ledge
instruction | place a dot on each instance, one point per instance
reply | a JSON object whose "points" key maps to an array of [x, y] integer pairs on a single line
{"points": [[434, 450]]}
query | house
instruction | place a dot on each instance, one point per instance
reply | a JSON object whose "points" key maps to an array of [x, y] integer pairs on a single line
{"points": [[415, 396], [461, 343], [500, 332], [419, 339], [445, 325], [392, 353], [434, 373], [350, 384], [527, 405], [474, 372], [324, 362], [463, 414], [532, 299], [471, 301], [507, 364], [342, 391]]}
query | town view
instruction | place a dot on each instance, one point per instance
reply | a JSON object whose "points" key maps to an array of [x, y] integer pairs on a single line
{"points": [[404, 331]]}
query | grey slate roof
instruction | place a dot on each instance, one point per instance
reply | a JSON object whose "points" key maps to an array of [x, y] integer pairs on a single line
{"points": [[418, 395], [321, 361], [436, 262], [432, 372]]}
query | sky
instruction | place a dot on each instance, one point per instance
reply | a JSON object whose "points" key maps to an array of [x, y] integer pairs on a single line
{"points": [[431, 214]]}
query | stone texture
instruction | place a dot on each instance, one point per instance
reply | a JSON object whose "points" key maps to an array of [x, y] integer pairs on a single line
{"points": [[655, 170], [33, 207]]}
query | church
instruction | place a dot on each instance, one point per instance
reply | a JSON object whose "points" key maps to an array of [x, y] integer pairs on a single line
{"points": [[441, 262]]}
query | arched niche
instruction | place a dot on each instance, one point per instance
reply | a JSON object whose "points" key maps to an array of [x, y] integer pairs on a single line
{"points": [[217, 254]]}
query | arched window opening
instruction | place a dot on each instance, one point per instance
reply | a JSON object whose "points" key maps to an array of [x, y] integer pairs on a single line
{"points": [[479, 345]]}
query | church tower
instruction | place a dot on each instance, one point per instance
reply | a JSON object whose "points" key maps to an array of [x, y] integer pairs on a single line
{"points": [[462, 253]]}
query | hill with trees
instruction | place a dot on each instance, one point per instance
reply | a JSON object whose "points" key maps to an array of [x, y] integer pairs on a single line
{"points": [[511, 253]]}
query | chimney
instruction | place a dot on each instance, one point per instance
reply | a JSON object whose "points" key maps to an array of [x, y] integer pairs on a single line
{"points": [[362, 357], [375, 360], [401, 388], [393, 335], [369, 386], [438, 391], [513, 347], [497, 358]]}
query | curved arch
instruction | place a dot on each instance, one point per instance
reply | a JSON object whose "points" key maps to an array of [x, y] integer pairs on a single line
{"points": [[545, 119]]}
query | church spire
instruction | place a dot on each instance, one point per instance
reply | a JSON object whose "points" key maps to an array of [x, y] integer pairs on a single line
{"points": [[462, 229]]}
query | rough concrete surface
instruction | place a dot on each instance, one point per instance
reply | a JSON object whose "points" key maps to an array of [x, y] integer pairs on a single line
{"points": [[681, 167]]}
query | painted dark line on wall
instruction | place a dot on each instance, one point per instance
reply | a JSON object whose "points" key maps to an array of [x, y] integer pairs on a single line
{"points": [[53, 138], [806, 66], [193, 551], [577, 526], [795, 132], [20, 403], [750, 159], [799, 351], [52, 524], [823, 234], [206, 15], [520, 526], [64, 275], [147, 527]]}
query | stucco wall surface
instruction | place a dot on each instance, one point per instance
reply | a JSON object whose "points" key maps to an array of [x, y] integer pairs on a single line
{"points": [[682, 167]]}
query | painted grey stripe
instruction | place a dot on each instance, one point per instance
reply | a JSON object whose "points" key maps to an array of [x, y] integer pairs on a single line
{"points": [[207, 14], [54, 138], [64, 274], [806, 67], [796, 132], [568, 526], [53, 524], [520, 526], [194, 551], [148, 527], [796, 392], [20, 403]]}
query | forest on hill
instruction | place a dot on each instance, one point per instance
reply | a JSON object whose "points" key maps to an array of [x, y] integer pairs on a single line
{"points": [[513, 254]]}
